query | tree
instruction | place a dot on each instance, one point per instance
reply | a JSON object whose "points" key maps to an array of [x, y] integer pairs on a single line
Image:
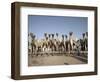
{"points": [[83, 35], [66, 36], [49, 36], [63, 37], [32, 36], [70, 33], [56, 34], [45, 35], [52, 36]]}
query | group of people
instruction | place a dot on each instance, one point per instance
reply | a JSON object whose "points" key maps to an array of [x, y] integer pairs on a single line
{"points": [[53, 44]]}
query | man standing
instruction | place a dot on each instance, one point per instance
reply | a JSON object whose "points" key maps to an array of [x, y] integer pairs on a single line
{"points": [[71, 41], [66, 42]]}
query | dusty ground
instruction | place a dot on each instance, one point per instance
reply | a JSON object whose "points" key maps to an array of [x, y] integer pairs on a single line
{"points": [[45, 60]]}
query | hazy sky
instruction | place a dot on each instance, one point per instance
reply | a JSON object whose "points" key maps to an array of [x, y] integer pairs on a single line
{"points": [[57, 24]]}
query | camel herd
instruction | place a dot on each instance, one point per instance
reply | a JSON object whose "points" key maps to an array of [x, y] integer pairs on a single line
{"points": [[51, 43]]}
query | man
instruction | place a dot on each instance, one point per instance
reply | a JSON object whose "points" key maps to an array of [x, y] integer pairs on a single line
{"points": [[57, 42], [83, 42], [66, 42], [53, 46], [71, 40], [45, 42], [33, 45], [62, 46], [86, 41]]}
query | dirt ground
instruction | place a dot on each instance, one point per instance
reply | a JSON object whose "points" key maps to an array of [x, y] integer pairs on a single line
{"points": [[47, 60]]}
